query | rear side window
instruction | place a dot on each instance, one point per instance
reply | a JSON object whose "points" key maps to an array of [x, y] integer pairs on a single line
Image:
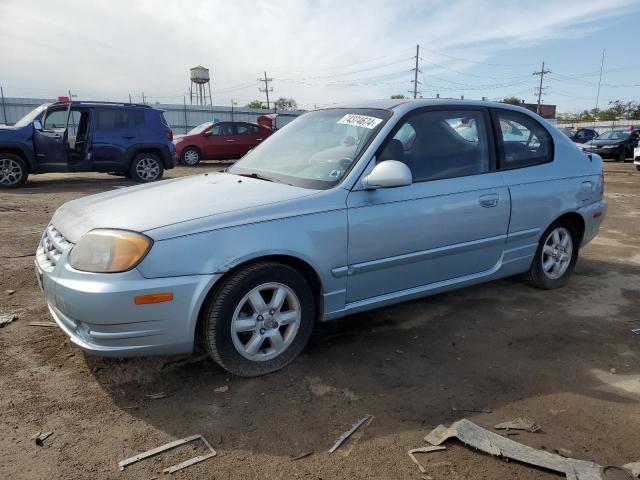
{"points": [[246, 129], [114, 119], [524, 142], [437, 144]]}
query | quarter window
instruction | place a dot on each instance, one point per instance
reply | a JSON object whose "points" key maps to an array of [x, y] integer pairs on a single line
{"points": [[524, 141], [441, 144]]}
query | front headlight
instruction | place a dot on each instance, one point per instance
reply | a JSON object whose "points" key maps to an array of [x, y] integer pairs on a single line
{"points": [[109, 251]]}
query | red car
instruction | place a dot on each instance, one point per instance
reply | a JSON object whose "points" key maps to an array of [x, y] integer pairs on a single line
{"points": [[220, 140]]}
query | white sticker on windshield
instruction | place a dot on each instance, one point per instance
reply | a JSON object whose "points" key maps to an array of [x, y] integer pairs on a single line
{"points": [[360, 121]]}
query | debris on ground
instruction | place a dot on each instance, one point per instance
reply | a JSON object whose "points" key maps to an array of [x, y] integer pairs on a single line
{"points": [[521, 423], [221, 389], [39, 437], [6, 319], [613, 370], [636, 331], [184, 361], [302, 455], [350, 432], [174, 468], [43, 324], [9, 292], [477, 437], [472, 410], [412, 453], [156, 396]]}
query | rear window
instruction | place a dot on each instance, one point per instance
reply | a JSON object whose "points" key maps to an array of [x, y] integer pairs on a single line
{"points": [[524, 142]]}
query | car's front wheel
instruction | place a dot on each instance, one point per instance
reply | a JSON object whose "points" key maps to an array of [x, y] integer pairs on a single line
{"points": [[259, 319], [145, 168], [555, 257], [191, 157], [13, 171]]}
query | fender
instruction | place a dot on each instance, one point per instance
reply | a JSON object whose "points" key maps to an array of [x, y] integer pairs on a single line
{"points": [[26, 151]]}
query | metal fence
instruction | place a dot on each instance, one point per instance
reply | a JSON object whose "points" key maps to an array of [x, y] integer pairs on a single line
{"points": [[181, 117]]}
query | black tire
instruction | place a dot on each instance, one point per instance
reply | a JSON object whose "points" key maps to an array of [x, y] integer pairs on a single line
{"points": [[145, 168], [190, 157], [536, 276], [219, 311], [638, 167], [14, 171]]}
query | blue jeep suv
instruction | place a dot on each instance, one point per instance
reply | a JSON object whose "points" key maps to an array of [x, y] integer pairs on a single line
{"points": [[128, 139]]}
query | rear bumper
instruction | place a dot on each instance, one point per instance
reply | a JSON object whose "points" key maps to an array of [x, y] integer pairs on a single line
{"points": [[593, 215], [98, 312]]}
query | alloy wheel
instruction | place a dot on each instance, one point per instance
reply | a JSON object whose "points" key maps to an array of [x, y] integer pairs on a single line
{"points": [[266, 322], [191, 157], [148, 169], [10, 172], [557, 252]]}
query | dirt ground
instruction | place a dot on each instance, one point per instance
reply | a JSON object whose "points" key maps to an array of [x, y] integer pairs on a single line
{"points": [[566, 358]]}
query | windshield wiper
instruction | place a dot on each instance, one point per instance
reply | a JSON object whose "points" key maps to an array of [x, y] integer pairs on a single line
{"points": [[258, 176]]}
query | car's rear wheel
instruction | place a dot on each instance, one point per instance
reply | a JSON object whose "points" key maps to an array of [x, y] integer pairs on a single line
{"points": [[191, 157], [146, 167], [555, 257], [13, 171], [638, 167], [259, 319]]}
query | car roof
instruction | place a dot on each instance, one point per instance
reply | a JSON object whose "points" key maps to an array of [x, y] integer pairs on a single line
{"points": [[77, 103]]}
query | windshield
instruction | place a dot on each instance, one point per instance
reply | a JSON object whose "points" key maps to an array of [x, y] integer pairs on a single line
{"points": [[316, 150], [614, 135], [200, 128], [30, 117]]}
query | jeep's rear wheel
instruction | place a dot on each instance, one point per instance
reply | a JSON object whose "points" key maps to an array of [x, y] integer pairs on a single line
{"points": [[145, 168], [259, 319], [13, 171], [191, 157]]}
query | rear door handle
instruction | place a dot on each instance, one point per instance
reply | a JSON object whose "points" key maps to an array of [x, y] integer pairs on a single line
{"points": [[258, 139], [489, 201], [230, 140]]}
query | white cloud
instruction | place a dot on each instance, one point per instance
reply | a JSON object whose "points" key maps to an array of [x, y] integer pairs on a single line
{"points": [[110, 49]]}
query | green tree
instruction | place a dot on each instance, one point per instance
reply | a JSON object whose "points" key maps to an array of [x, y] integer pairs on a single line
{"points": [[284, 103], [397, 96], [255, 104], [512, 101]]}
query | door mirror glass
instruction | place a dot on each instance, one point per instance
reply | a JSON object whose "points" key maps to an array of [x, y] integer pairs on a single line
{"points": [[388, 174], [37, 124]]}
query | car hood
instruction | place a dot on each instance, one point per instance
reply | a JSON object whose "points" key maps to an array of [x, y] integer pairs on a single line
{"points": [[146, 207], [599, 143]]}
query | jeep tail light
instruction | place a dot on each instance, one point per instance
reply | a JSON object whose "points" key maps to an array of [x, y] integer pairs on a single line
{"points": [[168, 134]]}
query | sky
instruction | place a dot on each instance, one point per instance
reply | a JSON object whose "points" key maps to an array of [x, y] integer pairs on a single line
{"points": [[322, 52]]}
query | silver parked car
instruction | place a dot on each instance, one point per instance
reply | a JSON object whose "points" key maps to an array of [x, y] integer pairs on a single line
{"points": [[341, 211]]}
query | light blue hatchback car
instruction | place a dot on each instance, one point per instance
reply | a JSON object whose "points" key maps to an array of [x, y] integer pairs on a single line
{"points": [[343, 210]]}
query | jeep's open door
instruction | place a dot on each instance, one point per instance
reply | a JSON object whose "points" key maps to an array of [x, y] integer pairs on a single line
{"points": [[50, 139]]}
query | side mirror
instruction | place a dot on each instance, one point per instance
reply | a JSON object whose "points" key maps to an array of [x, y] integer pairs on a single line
{"points": [[388, 174], [37, 124], [206, 134]]}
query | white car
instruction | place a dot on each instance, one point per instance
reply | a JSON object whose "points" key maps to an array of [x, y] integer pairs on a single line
{"points": [[636, 158]]}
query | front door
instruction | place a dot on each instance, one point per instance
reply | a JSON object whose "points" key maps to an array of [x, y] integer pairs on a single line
{"points": [[220, 141], [248, 137], [450, 223], [50, 143]]}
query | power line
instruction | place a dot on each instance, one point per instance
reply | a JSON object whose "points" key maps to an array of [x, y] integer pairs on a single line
{"points": [[266, 88], [542, 73]]}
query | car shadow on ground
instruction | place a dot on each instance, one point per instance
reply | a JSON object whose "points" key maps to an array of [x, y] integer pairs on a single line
{"points": [[413, 366]]}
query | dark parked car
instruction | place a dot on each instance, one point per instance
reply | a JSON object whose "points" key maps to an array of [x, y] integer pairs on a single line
{"points": [[220, 140], [581, 135], [133, 140], [617, 144]]}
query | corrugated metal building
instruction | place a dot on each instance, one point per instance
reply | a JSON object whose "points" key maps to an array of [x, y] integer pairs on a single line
{"points": [[181, 118]]}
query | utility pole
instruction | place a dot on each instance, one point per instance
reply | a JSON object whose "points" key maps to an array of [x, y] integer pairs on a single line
{"points": [[415, 71], [186, 125], [143, 99], [233, 102], [266, 88], [542, 73], [129, 98], [600, 80]]}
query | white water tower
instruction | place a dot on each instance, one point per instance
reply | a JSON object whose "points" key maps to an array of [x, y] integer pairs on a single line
{"points": [[199, 84]]}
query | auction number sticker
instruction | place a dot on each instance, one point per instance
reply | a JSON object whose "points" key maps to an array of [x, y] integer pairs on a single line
{"points": [[360, 121]]}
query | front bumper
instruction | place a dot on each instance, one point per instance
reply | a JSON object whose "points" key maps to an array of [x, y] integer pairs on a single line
{"points": [[98, 313]]}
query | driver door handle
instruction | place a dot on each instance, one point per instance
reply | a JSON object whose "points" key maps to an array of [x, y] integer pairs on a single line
{"points": [[489, 201], [230, 140]]}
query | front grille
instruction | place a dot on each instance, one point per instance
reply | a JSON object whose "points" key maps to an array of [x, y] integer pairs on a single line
{"points": [[52, 246]]}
